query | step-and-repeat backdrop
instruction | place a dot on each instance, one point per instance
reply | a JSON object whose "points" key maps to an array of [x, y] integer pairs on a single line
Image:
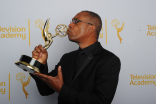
{"points": [[129, 31]]}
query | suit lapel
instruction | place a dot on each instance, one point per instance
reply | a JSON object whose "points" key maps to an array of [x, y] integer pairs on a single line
{"points": [[71, 67], [85, 63]]}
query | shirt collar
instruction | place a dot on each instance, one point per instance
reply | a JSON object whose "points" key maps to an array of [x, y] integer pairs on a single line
{"points": [[88, 49]]}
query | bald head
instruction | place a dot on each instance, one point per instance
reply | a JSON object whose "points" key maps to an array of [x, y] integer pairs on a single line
{"points": [[95, 20]]}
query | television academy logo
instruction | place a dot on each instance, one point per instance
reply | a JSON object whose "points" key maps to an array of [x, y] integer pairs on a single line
{"points": [[20, 77], [146, 79], [115, 24], [15, 32], [2, 90], [151, 30]]}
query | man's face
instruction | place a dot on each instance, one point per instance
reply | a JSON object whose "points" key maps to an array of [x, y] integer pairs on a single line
{"points": [[78, 32]]}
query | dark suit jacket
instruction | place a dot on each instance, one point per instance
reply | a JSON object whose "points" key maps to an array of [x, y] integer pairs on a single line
{"points": [[95, 82]]}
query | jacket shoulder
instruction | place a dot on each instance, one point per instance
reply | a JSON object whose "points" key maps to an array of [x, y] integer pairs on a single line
{"points": [[105, 54]]}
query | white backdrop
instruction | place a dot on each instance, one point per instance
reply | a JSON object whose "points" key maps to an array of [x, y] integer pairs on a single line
{"points": [[136, 50]]}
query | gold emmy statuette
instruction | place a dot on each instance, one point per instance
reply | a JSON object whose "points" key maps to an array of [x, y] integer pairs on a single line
{"points": [[30, 64]]}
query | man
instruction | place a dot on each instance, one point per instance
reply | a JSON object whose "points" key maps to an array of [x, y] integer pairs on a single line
{"points": [[88, 75]]}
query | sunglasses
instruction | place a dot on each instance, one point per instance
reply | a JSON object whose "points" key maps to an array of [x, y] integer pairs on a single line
{"points": [[75, 21]]}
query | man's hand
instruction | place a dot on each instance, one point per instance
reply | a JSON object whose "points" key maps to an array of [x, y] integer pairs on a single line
{"points": [[40, 54], [54, 82]]}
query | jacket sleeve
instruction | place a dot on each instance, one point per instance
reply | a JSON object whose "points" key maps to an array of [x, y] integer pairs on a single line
{"points": [[43, 88], [104, 88]]}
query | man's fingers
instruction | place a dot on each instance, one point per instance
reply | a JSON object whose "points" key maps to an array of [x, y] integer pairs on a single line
{"points": [[35, 57], [41, 48], [60, 76], [35, 53], [37, 49]]}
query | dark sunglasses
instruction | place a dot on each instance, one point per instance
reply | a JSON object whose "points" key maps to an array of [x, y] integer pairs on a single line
{"points": [[75, 21]]}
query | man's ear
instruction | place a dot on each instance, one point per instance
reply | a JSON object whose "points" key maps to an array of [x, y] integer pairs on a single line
{"points": [[91, 29]]}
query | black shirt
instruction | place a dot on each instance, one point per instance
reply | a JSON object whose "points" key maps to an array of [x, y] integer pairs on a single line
{"points": [[82, 55]]}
